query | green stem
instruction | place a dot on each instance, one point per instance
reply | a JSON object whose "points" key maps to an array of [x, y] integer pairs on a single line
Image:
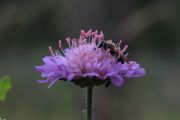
{"points": [[89, 102]]}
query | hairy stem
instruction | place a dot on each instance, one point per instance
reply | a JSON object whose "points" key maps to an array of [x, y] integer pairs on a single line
{"points": [[89, 102]]}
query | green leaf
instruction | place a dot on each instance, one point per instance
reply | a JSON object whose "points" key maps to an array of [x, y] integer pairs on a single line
{"points": [[5, 86]]}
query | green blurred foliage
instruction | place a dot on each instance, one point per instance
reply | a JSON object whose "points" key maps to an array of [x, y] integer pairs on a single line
{"points": [[5, 86]]}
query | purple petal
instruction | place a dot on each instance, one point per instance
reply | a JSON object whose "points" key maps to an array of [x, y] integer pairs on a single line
{"points": [[117, 80], [70, 77], [135, 73], [134, 70]]}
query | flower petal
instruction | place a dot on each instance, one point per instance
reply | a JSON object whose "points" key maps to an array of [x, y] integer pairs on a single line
{"points": [[117, 80]]}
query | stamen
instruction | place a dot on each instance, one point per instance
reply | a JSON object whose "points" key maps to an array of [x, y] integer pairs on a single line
{"points": [[107, 51], [51, 50], [119, 44], [99, 42], [121, 52], [57, 53], [84, 41], [59, 44], [96, 32], [82, 36], [109, 41], [126, 54], [101, 33], [124, 49], [68, 41], [76, 41], [93, 33], [88, 33], [73, 43], [100, 36], [83, 33], [95, 38]]}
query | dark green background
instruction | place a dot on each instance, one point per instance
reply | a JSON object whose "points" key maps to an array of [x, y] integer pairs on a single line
{"points": [[150, 27]]}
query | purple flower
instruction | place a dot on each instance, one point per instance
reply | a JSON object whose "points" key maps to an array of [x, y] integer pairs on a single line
{"points": [[89, 60]]}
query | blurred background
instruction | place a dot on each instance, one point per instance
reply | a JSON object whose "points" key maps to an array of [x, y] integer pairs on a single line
{"points": [[150, 27]]}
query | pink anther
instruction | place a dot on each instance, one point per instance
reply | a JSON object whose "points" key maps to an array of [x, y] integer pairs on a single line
{"points": [[119, 43], [59, 44], [83, 33], [100, 36], [88, 32], [124, 49], [76, 41], [51, 50], [68, 41]]}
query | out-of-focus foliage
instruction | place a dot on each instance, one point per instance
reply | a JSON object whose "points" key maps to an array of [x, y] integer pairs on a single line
{"points": [[5, 86]]}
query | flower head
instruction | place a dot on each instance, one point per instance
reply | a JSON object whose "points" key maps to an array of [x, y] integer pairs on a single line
{"points": [[89, 60]]}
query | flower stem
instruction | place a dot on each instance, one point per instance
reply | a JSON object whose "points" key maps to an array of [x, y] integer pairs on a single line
{"points": [[89, 102]]}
